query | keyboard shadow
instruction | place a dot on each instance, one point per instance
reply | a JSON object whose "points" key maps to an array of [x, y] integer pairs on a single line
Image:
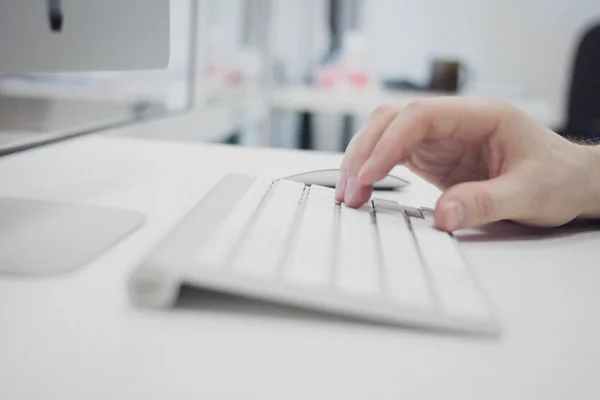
{"points": [[193, 299], [510, 231]]}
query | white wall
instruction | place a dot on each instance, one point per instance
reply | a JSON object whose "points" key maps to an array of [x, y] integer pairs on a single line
{"points": [[301, 36], [526, 44], [300, 40]]}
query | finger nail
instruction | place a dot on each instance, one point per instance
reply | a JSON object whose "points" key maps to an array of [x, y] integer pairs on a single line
{"points": [[351, 187], [454, 215], [338, 192], [340, 186]]}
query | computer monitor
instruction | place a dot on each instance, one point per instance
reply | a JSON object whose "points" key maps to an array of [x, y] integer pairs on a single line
{"points": [[76, 35], [40, 237], [40, 38]]}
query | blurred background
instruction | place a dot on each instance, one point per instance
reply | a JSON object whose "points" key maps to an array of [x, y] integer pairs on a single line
{"points": [[307, 73]]}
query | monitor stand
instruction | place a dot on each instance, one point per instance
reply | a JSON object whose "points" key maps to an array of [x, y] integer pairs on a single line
{"points": [[46, 237]]}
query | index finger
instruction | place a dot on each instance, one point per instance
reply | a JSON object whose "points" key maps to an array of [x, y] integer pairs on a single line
{"points": [[362, 145], [468, 120]]}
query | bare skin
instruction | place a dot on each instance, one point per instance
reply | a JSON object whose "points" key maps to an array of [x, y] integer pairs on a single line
{"points": [[492, 162]]}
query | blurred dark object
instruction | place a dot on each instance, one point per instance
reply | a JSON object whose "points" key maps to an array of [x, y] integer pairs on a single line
{"points": [[306, 133], [402, 84], [447, 76], [336, 32], [343, 18], [583, 114], [55, 15]]}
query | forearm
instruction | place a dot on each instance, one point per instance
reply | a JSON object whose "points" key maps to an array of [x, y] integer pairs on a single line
{"points": [[591, 203]]}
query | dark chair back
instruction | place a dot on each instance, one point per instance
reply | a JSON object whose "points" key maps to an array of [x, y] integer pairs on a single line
{"points": [[583, 118]]}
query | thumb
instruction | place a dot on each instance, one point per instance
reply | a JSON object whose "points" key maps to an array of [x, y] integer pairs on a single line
{"points": [[476, 203]]}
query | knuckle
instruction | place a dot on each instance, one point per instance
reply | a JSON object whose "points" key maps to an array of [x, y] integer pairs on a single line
{"points": [[354, 143], [355, 153], [416, 106], [418, 110], [502, 106], [383, 110], [484, 205]]}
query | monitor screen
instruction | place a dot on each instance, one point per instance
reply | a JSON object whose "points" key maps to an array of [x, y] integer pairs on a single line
{"points": [[69, 67], [74, 35]]}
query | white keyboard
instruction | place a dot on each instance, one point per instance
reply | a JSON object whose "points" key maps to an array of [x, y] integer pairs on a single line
{"points": [[290, 243]]}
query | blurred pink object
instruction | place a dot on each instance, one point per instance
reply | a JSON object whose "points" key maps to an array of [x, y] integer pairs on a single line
{"points": [[335, 76], [350, 69]]}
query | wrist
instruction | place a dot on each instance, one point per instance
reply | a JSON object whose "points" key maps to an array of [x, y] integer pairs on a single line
{"points": [[591, 179]]}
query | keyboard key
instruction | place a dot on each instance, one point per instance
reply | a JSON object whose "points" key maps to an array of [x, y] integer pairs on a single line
{"points": [[311, 257], [413, 212], [453, 282], [357, 261], [394, 206], [215, 252], [263, 249], [427, 212], [388, 205], [405, 279]]}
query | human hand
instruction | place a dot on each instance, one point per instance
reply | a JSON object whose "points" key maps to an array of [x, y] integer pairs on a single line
{"points": [[492, 162]]}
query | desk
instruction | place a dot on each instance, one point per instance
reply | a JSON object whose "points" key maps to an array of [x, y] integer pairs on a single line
{"points": [[77, 337], [307, 98]]}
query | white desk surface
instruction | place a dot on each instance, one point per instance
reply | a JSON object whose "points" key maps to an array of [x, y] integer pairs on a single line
{"points": [[308, 98], [77, 337]]}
